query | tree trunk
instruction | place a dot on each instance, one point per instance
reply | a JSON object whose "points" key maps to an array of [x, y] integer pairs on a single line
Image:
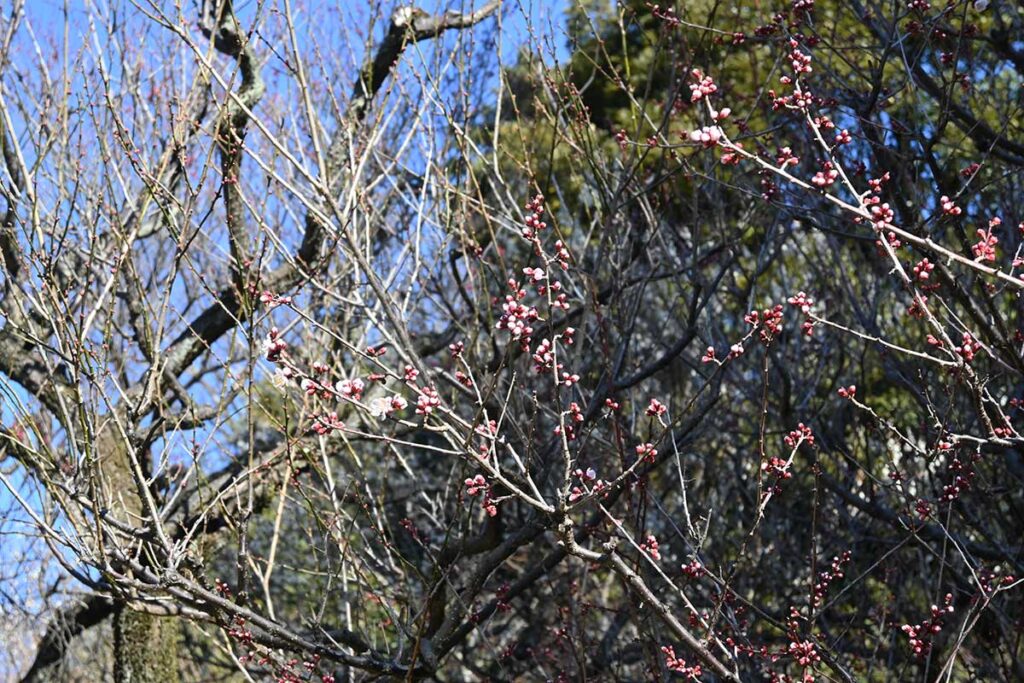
{"points": [[145, 645], [145, 648]]}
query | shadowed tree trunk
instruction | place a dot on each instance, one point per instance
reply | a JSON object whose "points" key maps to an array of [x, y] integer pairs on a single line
{"points": [[145, 647]]}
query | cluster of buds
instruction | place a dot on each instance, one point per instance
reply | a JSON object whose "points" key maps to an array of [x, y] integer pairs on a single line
{"points": [[949, 207], [535, 274], [327, 424], [575, 414], [985, 248], [487, 433], [694, 569], [622, 138], [517, 317], [673, 663], [650, 546], [588, 483], [805, 304], [968, 347], [827, 176], [921, 635], [804, 653], [962, 476], [720, 114], [768, 322], [776, 467], [314, 388], [544, 357], [918, 307], [274, 346], [666, 14], [476, 485], [881, 213], [802, 434], [647, 452], [561, 255], [923, 269], [704, 86], [835, 572], [991, 581], [708, 136], [270, 300], [785, 157], [533, 225], [427, 401], [800, 61]]}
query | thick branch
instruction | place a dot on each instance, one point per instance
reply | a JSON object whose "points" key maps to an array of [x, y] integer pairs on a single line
{"points": [[226, 312], [65, 626]]}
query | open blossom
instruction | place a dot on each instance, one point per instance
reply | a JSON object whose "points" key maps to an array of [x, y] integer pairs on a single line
{"points": [[384, 405], [656, 408], [350, 388], [282, 377]]}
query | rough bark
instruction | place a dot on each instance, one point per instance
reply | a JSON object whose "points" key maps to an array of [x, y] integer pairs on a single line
{"points": [[145, 647]]}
